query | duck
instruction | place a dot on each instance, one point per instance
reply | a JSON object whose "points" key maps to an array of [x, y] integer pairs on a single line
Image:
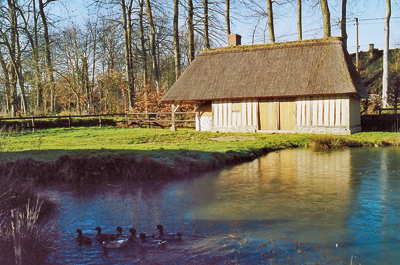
{"points": [[144, 242], [119, 234], [169, 236], [81, 239], [104, 237], [132, 237], [115, 244]]}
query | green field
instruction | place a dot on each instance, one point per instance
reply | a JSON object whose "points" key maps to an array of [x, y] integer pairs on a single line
{"points": [[162, 144]]}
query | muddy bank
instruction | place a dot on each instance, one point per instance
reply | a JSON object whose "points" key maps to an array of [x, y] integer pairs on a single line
{"points": [[82, 170]]}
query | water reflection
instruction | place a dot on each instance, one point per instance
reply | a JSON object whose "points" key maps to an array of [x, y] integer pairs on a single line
{"points": [[292, 206]]}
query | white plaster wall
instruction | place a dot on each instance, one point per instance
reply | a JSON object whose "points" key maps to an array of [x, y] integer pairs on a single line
{"points": [[204, 123]]}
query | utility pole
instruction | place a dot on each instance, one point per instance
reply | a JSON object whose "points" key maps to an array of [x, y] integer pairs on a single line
{"points": [[385, 77], [357, 45]]}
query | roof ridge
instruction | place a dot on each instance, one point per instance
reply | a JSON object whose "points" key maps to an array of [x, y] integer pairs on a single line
{"points": [[276, 45]]}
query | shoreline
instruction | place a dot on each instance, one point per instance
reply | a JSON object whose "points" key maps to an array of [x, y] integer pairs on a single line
{"points": [[82, 170]]}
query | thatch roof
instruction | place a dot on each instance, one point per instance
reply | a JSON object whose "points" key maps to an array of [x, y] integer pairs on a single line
{"points": [[305, 68]]}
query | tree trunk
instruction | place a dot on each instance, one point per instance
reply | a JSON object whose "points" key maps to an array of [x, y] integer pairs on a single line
{"points": [[326, 17], [85, 81], [177, 54], [153, 45], [48, 55], [386, 55], [343, 23], [270, 14], [127, 25], [143, 44], [299, 21], [7, 85], [227, 19], [190, 31], [21, 83], [35, 51], [206, 37], [94, 32], [13, 52]]}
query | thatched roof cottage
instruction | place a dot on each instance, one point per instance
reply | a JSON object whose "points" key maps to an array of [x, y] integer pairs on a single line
{"points": [[304, 87]]}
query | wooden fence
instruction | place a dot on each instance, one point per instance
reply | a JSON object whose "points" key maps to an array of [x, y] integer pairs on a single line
{"points": [[146, 119], [388, 109], [387, 119]]}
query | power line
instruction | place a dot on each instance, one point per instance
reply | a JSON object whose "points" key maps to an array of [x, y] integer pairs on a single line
{"points": [[376, 18]]}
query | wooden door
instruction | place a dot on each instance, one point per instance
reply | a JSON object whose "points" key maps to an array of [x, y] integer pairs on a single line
{"points": [[268, 114], [286, 114]]}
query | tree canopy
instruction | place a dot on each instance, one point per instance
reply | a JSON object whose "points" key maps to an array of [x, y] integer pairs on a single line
{"points": [[127, 52]]}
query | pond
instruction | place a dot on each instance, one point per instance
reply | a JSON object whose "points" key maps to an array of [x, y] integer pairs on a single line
{"points": [[294, 206]]}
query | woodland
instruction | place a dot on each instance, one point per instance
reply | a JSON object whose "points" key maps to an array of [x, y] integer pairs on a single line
{"points": [[127, 53]]}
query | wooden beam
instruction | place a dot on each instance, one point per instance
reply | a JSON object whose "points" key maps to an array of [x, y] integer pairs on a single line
{"points": [[173, 128]]}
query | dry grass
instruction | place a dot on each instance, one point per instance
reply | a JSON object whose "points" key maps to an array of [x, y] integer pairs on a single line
{"points": [[37, 235], [36, 231], [328, 141]]}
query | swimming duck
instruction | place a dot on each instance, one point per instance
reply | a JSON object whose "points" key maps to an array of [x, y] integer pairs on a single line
{"points": [[144, 242], [119, 243], [81, 239], [169, 236], [132, 237], [104, 237], [119, 234]]}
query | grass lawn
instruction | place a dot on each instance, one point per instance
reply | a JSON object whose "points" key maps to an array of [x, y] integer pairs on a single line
{"points": [[162, 144]]}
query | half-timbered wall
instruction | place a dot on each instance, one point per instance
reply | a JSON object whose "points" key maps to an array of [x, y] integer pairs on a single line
{"points": [[235, 115], [339, 114], [327, 114]]}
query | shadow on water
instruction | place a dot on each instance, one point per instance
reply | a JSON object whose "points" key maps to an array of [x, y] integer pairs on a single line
{"points": [[288, 207]]}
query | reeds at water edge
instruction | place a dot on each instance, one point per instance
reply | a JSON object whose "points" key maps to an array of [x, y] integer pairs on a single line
{"points": [[35, 234]]}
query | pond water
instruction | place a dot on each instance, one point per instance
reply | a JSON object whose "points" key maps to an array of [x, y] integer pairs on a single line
{"points": [[289, 207]]}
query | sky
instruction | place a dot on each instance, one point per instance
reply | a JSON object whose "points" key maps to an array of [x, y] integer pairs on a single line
{"points": [[370, 13]]}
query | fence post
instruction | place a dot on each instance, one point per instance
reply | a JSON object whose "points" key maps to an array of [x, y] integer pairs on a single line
{"points": [[69, 121], [33, 123], [173, 128], [100, 121], [16, 236]]}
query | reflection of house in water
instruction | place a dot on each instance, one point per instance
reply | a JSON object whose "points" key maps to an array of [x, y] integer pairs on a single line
{"points": [[291, 185]]}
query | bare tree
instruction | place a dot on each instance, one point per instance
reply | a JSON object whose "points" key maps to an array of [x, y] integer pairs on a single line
{"points": [[299, 21], [343, 22], [153, 45], [205, 21], [6, 81], [143, 43], [326, 15], [270, 14], [190, 31], [11, 40], [177, 54], [127, 25], [46, 36], [227, 19], [33, 39]]}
